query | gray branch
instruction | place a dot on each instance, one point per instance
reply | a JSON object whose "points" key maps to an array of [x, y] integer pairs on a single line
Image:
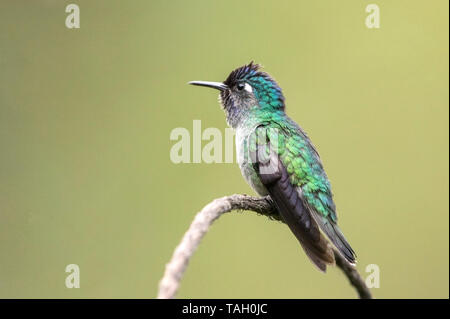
{"points": [[175, 269]]}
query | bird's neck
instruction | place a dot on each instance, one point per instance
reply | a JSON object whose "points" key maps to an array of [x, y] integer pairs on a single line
{"points": [[235, 117], [256, 116]]}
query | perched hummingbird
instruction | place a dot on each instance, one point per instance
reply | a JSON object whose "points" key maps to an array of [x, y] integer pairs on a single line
{"points": [[277, 158]]}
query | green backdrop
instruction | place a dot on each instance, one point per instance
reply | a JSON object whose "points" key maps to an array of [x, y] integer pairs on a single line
{"points": [[85, 120]]}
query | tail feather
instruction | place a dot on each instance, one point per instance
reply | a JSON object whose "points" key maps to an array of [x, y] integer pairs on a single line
{"points": [[320, 252], [336, 236]]}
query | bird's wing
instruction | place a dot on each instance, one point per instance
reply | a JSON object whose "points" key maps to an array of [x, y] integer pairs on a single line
{"points": [[266, 149]]}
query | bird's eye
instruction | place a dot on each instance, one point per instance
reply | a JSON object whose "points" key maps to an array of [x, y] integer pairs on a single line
{"points": [[244, 86]]}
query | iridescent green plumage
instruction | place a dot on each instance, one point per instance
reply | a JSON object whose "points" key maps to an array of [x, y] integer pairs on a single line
{"points": [[301, 160]]}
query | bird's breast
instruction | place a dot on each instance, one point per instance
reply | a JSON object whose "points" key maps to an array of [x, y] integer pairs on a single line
{"points": [[247, 170]]}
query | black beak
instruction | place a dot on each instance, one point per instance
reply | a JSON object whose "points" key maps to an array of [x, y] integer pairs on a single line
{"points": [[215, 85]]}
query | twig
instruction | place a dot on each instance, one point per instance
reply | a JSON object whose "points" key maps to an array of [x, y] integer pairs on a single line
{"points": [[175, 269]]}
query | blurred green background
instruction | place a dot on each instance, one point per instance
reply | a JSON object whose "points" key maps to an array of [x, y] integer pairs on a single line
{"points": [[85, 119]]}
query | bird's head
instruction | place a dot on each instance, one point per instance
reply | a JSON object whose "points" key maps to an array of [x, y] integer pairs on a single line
{"points": [[247, 88]]}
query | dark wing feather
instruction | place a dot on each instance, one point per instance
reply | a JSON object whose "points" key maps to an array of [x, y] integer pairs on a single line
{"points": [[335, 234], [287, 199]]}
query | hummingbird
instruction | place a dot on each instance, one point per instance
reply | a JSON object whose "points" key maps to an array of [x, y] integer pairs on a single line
{"points": [[277, 159]]}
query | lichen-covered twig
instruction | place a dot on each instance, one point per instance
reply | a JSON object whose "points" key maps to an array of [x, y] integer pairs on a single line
{"points": [[175, 269]]}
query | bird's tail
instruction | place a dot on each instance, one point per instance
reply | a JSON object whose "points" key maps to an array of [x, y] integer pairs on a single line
{"points": [[319, 251], [334, 233]]}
